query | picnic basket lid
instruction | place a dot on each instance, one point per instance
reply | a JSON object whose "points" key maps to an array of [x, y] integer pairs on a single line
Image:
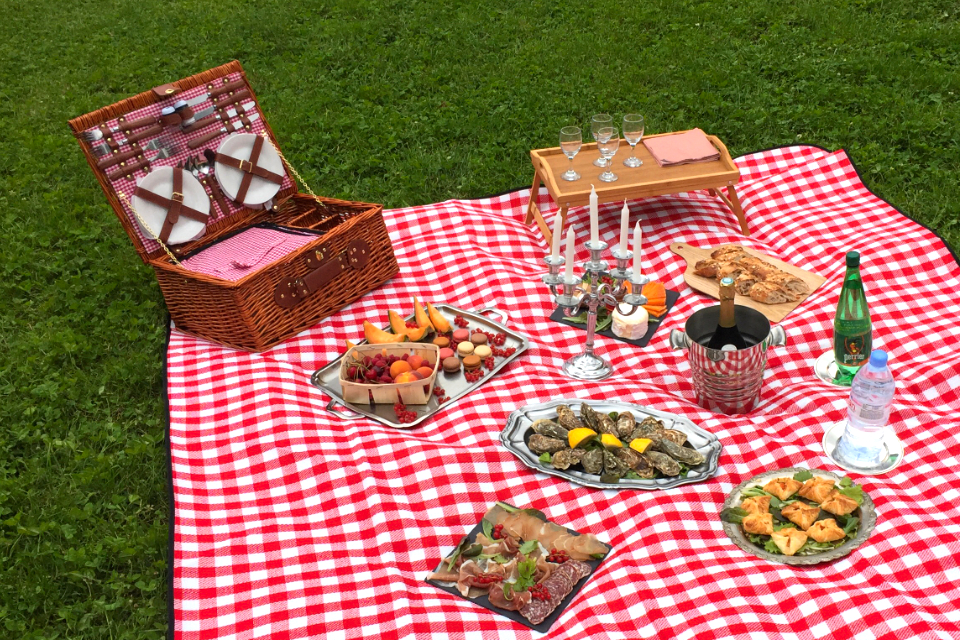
{"points": [[118, 192]]}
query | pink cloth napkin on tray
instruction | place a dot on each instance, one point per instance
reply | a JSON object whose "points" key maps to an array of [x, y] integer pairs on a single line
{"points": [[682, 148]]}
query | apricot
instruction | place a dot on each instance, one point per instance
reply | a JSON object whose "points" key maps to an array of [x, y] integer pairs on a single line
{"points": [[407, 376], [426, 372], [398, 367], [415, 362]]}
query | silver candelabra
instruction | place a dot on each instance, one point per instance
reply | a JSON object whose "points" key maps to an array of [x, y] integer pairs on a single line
{"points": [[570, 295]]}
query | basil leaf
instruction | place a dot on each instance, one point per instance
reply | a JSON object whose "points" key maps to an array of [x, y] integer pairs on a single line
{"points": [[776, 503], [509, 508], [754, 492], [733, 515], [508, 590], [528, 547], [499, 559], [580, 319], [536, 513], [487, 528], [545, 458], [456, 553], [598, 556], [802, 476], [846, 482]]}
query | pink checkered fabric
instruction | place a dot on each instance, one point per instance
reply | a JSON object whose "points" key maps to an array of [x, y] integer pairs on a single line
{"points": [[292, 523], [246, 253], [179, 140]]}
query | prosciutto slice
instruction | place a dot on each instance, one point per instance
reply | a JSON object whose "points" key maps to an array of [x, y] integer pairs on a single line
{"points": [[497, 599], [552, 536]]}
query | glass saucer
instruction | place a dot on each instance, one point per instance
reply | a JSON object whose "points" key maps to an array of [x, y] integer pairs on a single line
{"points": [[892, 456], [826, 369]]}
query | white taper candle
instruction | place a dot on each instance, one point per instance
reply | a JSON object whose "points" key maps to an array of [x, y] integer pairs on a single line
{"points": [[636, 250], [568, 267], [624, 227], [555, 249], [594, 222]]}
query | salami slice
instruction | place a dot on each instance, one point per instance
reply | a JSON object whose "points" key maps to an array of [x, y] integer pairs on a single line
{"points": [[560, 583]]}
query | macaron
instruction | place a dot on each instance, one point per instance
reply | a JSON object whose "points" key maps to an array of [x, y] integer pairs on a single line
{"points": [[442, 342], [482, 351], [461, 335], [471, 363], [465, 348], [451, 365], [445, 353], [478, 339]]}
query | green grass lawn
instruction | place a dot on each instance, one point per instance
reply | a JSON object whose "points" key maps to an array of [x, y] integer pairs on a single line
{"points": [[395, 102]]}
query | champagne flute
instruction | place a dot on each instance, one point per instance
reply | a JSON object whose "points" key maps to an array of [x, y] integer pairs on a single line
{"points": [[608, 142], [633, 133], [597, 122], [571, 139]]}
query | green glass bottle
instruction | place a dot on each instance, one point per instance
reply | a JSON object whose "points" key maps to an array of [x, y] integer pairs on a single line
{"points": [[852, 330]]}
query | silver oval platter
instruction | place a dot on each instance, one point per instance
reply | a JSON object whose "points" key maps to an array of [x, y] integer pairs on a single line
{"points": [[866, 512], [515, 435]]}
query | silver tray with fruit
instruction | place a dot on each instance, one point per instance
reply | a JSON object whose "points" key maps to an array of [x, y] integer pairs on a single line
{"points": [[454, 385]]}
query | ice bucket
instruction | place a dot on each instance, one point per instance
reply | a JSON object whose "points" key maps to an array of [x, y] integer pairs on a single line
{"points": [[727, 381]]}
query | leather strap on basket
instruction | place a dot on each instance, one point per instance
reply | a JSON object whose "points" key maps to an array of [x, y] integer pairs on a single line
{"points": [[174, 205], [250, 169], [292, 292]]}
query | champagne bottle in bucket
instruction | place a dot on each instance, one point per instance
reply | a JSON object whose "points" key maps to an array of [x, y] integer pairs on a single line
{"points": [[727, 336]]}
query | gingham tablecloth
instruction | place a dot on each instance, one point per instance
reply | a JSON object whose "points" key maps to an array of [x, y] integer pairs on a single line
{"points": [[290, 523]]}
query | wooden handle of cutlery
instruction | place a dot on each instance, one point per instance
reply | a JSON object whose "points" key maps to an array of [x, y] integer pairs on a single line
{"points": [[146, 133], [204, 122], [116, 158], [215, 90], [218, 194], [129, 170], [127, 125], [233, 99], [193, 144]]}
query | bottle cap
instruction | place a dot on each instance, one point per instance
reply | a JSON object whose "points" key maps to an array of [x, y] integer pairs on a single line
{"points": [[166, 111], [878, 358], [853, 259]]}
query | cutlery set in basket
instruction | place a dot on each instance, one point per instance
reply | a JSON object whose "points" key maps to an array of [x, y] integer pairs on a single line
{"points": [[196, 177]]}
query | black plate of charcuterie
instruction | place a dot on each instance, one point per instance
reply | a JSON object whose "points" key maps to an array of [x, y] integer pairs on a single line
{"points": [[520, 565]]}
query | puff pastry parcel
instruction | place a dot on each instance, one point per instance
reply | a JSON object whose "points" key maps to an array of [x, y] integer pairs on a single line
{"points": [[757, 505], [817, 489], [839, 504], [758, 523], [789, 540], [783, 488], [800, 514], [825, 531]]}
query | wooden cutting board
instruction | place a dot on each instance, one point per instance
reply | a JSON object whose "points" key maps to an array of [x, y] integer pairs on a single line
{"points": [[710, 286]]}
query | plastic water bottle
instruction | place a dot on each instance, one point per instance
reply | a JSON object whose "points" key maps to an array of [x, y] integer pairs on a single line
{"points": [[871, 394]]}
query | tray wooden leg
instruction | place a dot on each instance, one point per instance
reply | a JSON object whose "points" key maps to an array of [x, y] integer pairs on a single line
{"points": [[732, 200], [532, 205]]}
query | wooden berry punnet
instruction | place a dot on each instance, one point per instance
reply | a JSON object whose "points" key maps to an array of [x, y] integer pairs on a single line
{"points": [[170, 153]]}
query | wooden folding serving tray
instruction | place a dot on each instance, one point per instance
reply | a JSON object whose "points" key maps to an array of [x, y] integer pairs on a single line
{"points": [[645, 181], [350, 256]]}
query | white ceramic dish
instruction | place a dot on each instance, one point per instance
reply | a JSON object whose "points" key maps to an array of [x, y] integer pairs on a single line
{"points": [[239, 146], [160, 182]]}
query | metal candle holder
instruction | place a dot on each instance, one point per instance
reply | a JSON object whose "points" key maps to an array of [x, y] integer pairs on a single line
{"points": [[572, 298]]}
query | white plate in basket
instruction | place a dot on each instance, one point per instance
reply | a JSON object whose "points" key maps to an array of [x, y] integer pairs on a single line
{"points": [[239, 146], [160, 182]]}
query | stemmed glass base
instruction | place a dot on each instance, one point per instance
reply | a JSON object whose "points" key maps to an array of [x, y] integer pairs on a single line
{"points": [[570, 175], [608, 176], [827, 370], [891, 456], [587, 366], [600, 162], [633, 161]]}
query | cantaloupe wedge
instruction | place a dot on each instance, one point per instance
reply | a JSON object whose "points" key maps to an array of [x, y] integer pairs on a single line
{"points": [[397, 323], [440, 323], [415, 335], [379, 336], [423, 320]]}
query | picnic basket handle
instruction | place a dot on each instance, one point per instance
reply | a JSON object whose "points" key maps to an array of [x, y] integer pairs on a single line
{"points": [[340, 414], [497, 312]]}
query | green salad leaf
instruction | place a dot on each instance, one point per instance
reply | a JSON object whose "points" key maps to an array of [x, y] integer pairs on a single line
{"points": [[754, 492], [771, 546], [525, 573], [854, 492], [850, 528], [499, 559], [802, 476], [614, 415], [508, 590], [846, 482], [599, 556], [457, 552], [734, 515], [487, 528], [546, 458], [473, 551], [632, 475]]}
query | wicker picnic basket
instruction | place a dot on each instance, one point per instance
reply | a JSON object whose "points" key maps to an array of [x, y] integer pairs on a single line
{"points": [[350, 256]]}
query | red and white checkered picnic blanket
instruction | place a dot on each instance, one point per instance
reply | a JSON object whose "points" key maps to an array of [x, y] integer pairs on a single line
{"points": [[290, 523]]}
